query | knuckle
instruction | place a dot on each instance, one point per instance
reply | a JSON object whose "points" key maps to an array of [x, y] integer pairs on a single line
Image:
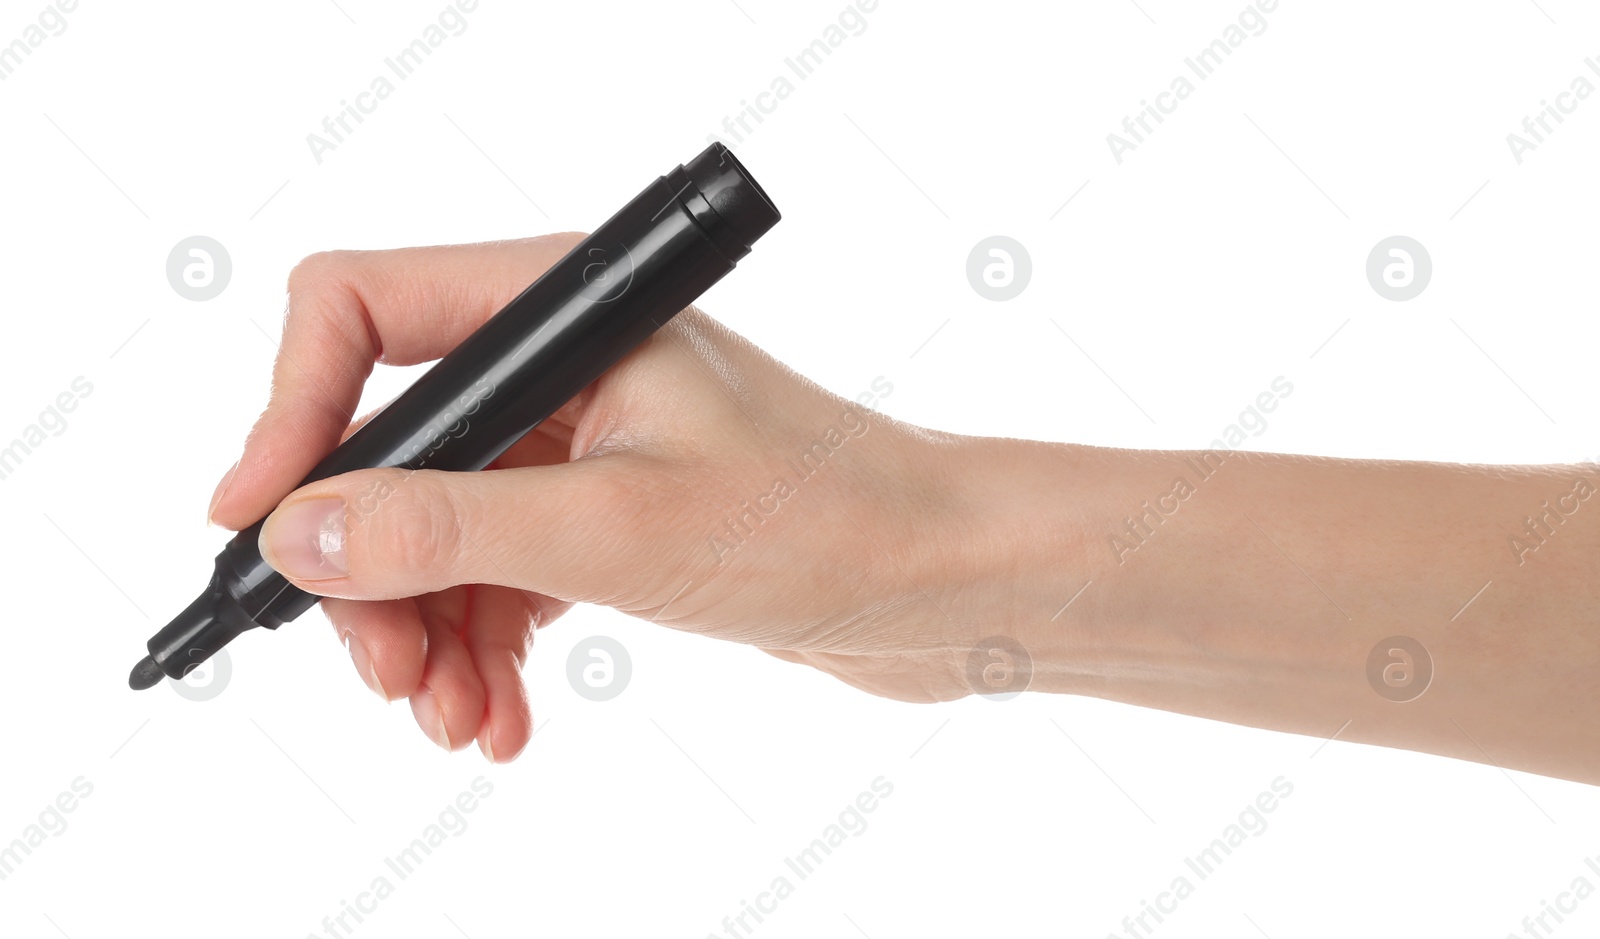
{"points": [[324, 300], [414, 532], [316, 268], [315, 274]]}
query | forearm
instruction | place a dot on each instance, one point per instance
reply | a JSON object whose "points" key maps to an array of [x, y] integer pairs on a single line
{"points": [[1252, 588]]}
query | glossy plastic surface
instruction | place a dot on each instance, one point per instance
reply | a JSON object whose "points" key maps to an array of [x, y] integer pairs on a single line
{"points": [[654, 257]]}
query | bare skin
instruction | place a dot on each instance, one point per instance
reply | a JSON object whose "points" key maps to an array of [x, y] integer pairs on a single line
{"points": [[657, 491]]}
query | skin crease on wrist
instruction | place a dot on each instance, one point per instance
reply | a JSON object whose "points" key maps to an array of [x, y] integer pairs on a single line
{"points": [[1256, 600]]}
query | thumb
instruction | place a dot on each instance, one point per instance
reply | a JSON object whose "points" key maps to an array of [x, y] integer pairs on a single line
{"points": [[390, 533]]}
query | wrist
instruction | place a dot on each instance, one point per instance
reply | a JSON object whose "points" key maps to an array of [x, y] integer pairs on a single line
{"points": [[1013, 564]]}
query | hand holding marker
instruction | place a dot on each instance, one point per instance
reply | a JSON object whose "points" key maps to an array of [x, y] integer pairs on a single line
{"points": [[659, 253], [700, 483]]}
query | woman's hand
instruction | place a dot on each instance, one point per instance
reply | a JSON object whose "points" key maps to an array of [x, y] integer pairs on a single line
{"points": [[703, 485], [698, 483]]}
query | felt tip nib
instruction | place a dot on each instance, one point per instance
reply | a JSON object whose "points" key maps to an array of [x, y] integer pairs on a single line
{"points": [[147, 674]]}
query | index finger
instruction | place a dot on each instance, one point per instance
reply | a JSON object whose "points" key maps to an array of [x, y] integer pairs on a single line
{"points": [[348, 310]]}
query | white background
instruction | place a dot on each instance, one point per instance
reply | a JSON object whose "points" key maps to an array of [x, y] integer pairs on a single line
{"points": [[1226, 250]]}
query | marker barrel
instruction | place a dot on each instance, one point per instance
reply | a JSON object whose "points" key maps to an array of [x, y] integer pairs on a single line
{"points": [[654, 257]]}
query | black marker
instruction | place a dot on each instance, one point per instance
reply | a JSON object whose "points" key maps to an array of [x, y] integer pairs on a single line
{"points": [[622, 283]]}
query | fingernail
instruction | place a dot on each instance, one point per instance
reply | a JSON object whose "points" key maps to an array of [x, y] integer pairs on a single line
{"points": [[363, 662], [426, 710], [221, 490], [305, 540], [486, 744]]}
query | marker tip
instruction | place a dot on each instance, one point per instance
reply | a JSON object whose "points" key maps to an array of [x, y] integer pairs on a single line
{"points": [[145, 675]]}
